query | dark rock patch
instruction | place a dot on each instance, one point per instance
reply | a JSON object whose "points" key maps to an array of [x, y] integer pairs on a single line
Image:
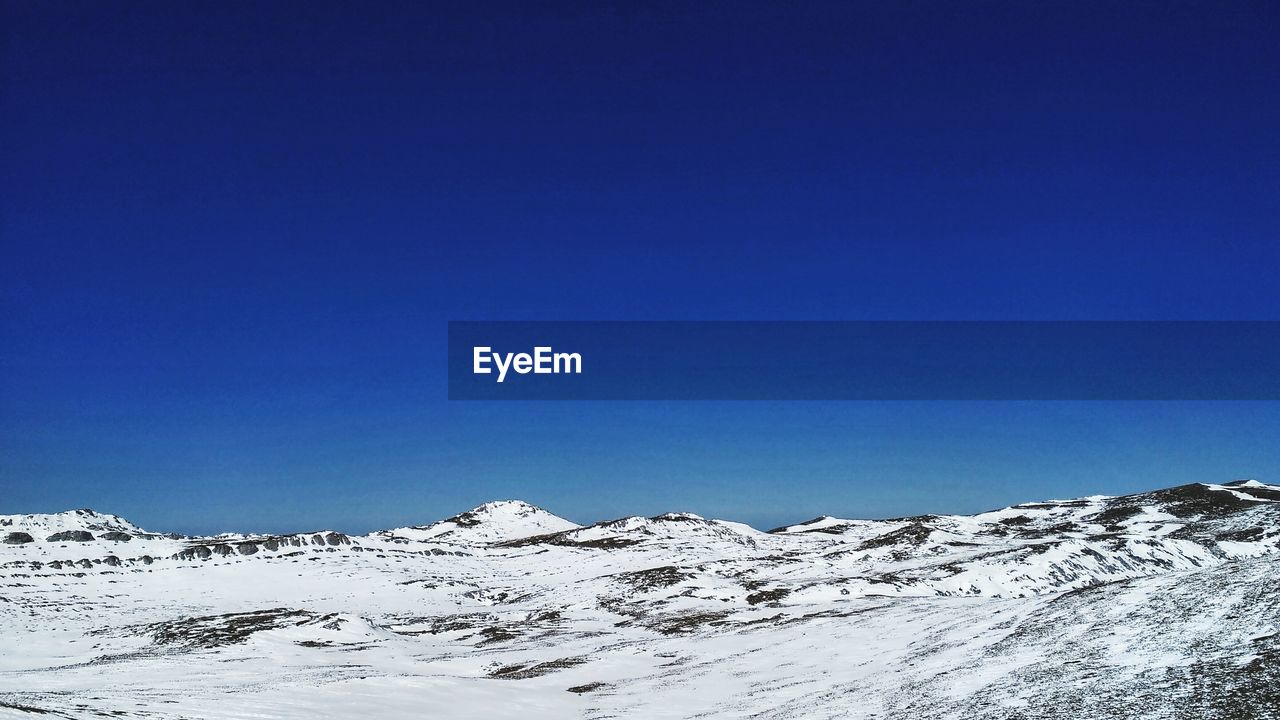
{"points": [[521, 672], [1115, 514], [767, 596], [23, 708], [1052, 505], [830, 529], [610, 543], [913, 534], [1252, 534], [496, 634], [71, 536], [199, 551], [1262, 493], [1196, 499], [218, 630], [680, 624], [466, 519], [1059, 529], [567, 539], [653, 578]]}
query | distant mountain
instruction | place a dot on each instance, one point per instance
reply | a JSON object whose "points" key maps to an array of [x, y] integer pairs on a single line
{"points": [[489, 523], [71, 526], [1157, 604]]}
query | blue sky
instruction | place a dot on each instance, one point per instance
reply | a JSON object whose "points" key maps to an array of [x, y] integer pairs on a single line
{"points": [[232, 236]]}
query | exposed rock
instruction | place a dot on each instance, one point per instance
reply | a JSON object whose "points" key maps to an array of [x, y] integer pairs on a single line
{"points": [[71, 536], [910, 535], [524, 672], [212, 631], [767, 596]]}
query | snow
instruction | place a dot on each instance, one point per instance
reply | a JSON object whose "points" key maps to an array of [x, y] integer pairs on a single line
{"points": [[499, 521], [1235, 492], [1135, 606], [42, 525]]}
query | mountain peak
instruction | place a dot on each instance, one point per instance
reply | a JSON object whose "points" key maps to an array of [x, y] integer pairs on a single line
{"points": [[676, 516], [501, 506], [490, 522], [83, 520]]}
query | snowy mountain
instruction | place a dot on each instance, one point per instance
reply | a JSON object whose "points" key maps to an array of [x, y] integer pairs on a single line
{"points": [[1162, 604], [489, 523], [73, 526]]}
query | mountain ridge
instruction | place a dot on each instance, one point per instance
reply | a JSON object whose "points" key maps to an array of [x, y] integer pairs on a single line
{"points": [[490, 511], [1155, 604]]}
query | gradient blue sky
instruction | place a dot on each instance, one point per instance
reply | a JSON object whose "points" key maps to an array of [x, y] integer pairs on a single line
{"points": [[233, 233]]}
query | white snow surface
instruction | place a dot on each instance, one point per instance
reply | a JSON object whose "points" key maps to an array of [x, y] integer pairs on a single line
{"points": [[43, 525], [1156, 605], [489, 523]]}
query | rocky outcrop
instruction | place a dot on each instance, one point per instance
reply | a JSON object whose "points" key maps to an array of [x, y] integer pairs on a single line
{"points": [[198, 552], [18, 538], [71, 536], [273, 543]]}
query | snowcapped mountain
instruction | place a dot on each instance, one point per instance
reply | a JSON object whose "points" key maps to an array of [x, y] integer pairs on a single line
{"points": [[489, 523], [1154, 605], [73, 525]]}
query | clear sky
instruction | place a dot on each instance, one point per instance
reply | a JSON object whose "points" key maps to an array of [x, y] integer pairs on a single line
{"points": [[232, 234]]}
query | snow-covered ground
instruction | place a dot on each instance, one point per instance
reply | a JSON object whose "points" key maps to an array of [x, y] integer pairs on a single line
{"points": [[1158, 605]]}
